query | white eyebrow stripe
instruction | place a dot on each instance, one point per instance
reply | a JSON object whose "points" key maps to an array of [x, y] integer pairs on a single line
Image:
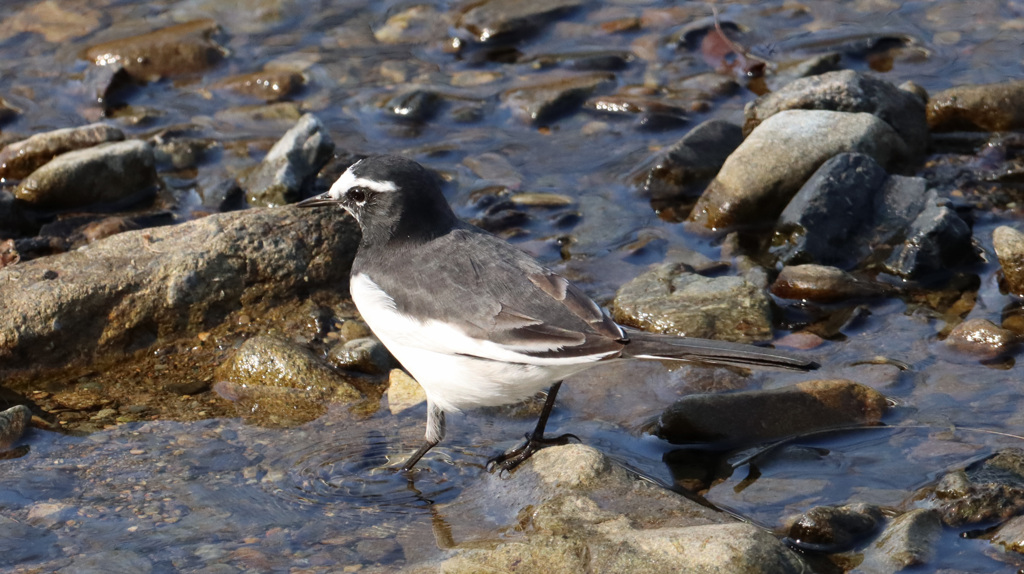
{"points": [[348, 180]]}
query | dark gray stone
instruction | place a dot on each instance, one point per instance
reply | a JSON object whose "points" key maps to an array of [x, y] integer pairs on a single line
{"points": [[908, 541], [546, 98], [834, 528], [291, 165], [848, 206], [937, 240], [691, 161], [497, 21]]}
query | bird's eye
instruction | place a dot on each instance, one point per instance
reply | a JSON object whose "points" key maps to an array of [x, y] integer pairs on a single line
{"points": [[357, 194]]}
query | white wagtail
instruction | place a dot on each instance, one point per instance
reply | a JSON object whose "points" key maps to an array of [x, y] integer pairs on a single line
{"points": [[476, 321]]}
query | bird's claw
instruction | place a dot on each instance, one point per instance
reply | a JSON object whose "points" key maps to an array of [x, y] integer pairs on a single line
{"points": [[510, 459]]}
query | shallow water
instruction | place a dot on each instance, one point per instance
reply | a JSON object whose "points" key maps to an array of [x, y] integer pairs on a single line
{"points": [[183, 496]]}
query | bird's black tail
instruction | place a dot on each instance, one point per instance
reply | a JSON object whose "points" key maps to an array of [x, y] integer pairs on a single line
{"points": [[643, 345]]}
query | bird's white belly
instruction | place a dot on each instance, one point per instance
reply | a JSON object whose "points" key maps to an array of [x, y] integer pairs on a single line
{"points": [[448, 364]]}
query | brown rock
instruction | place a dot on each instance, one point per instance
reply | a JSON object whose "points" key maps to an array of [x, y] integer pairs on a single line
{"points": [[987, 108], [54, 22], [268, 85], [754, 416], [545, 98], [176, 50], [823, 284], [981, 338], [1009, 246]]}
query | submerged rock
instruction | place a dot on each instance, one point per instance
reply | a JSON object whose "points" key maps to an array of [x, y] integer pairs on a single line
{"points": [[137, 289], [852, 92], [987, 108], [290, 165], [767, 169], [267, 85], [1009, 246], [545, 98], [986, 492], [175, 50], [757, 416], [670, 300], [19, 159], [909, 540], [277, 382], [982, 339], [106, 173], [834, 528], [493, 21]]}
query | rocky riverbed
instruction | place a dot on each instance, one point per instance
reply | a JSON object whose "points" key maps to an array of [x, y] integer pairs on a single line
{"points": [[186, 386]]}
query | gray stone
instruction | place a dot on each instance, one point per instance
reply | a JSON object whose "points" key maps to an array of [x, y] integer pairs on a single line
{"points": [[908, 541], [692, 160], [21, 158], [13, 423], [50, 514], [588, 514], [846, 210], [545, 98], [290, 165], [129, 291], [849, 91], [755, 416], [106, 173], [987, 107], [670, 300], [767, 169], [1009, 247], [22, 543]]}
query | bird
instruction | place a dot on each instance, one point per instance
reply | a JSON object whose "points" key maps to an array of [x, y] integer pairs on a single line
{"points": [[475, 320]]}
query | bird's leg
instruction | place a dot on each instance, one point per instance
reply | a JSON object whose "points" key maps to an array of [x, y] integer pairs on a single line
{"points": [[535, 441], [434, 434]]}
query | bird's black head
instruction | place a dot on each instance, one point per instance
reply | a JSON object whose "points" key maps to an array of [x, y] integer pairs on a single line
{"points": [[392, 198]]}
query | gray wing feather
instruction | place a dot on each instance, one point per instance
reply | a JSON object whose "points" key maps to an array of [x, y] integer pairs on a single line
{"points": [[494, 292]]}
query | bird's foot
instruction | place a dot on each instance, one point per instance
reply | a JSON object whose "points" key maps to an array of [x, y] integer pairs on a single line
{"points": [[515, 456]]}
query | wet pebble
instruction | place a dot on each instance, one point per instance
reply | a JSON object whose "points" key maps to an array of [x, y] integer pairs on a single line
{"points": [[987, 107], [415, 105], [21, 158], [773, 162], [499, 21], [267, 85], [365, 355], [910, 539], [106, 173], [834, 528], [290, 165], [982, 339], [542, 99], [988, 491], [823, 284], [1009, 247], [416, 24], [937, 240], [851, 92], [185, 48], [650, 112], [669, 299], [53, 21], [13, 423], [757, 416], [691, 161]]}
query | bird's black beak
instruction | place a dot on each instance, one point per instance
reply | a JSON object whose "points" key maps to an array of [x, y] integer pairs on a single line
{"points": [[317, 201]]}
